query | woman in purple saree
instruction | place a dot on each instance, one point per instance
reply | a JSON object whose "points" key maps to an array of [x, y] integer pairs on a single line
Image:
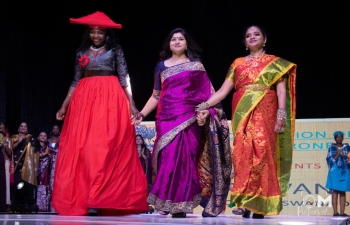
{"points": [[191, 164]]}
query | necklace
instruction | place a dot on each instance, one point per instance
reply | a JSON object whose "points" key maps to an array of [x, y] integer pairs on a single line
{"points": [[96, 49], [255, 58]]}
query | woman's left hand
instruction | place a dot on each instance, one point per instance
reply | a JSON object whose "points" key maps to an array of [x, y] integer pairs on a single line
{"points": [[280, 126], [136, 120]]}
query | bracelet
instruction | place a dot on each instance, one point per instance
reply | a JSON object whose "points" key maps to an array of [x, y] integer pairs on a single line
{"points": [[142, 116], [202, 106], [282, 114]]}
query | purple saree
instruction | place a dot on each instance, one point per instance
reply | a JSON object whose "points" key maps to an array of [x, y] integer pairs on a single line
{"points": [[179, 145]]}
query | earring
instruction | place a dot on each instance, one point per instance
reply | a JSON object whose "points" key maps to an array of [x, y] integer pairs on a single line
{"points": [[264, 45], [246, 47]]}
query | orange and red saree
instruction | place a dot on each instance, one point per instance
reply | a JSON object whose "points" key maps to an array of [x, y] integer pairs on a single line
{"points": [[261, 157]]}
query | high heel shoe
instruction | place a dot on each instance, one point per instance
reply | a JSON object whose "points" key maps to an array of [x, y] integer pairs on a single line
{"points": [[179, 215], [257, 216], [92, 212], [246, 213], [204, 214]]}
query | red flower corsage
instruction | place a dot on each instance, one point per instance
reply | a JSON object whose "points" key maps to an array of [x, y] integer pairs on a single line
{"points": [[83, 60]]}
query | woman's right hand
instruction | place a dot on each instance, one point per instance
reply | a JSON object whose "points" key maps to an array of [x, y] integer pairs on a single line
{"points": [[61, 114], [136, 120]]}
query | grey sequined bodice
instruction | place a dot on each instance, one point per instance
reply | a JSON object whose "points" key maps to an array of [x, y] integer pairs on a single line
{"points": [[112, 60]]}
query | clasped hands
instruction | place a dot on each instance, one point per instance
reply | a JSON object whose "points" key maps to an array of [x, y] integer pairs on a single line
{"points": [[202, 116], [136, 119], [340, 152], [135, 115]]}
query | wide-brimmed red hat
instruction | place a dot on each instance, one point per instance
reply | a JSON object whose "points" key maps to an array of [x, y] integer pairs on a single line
{"points": [[96, 20]]}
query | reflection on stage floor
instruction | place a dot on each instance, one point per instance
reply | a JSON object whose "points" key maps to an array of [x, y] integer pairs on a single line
{"points": [[155, 218]]}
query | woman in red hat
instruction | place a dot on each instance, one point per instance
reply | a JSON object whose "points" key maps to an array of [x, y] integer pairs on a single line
{"points": [[97, 165]]}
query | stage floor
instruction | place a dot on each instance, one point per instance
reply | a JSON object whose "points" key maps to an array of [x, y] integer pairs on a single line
{"points": [[155, 218]]}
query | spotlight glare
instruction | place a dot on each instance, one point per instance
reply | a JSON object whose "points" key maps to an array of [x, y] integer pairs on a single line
{"points": [[20, 185]]}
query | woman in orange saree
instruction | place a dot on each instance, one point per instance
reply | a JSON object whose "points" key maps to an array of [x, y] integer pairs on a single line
{"points": [[263, 121]]}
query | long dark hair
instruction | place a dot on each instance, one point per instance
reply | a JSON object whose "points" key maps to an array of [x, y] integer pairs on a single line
{"points": [[111, 40], [144, 148], [36, 142], [143, 141], [193, 50]]}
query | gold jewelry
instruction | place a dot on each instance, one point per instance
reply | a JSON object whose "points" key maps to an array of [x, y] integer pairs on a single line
{"points": [[282, 114], [202, 106], [255, 87], [255, 58]]}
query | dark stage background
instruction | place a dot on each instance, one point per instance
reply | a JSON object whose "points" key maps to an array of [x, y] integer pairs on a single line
{"points": [[38, 49]]}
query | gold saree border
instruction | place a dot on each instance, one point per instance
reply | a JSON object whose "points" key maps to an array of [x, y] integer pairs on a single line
{"points": [[169, 206], [190, 66], [168, 137], [274, 203]]}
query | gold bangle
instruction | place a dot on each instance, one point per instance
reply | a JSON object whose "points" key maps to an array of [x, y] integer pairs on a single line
{"points": [[282, 114], [202, 106]]}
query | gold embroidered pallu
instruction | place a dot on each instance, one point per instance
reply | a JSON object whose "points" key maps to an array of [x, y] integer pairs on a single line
{"points": [[29, 170], [261, 157]]}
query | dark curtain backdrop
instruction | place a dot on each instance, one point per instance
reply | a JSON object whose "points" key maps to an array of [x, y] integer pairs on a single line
{"points": [[31, 79], [38, 49]]}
